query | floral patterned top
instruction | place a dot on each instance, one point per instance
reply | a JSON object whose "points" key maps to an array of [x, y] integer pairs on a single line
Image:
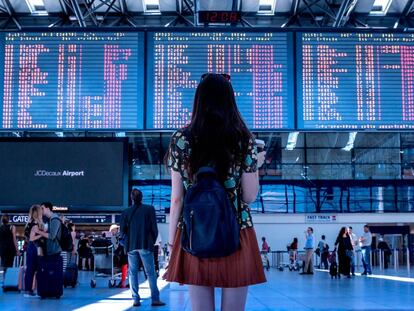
{"points": [[178, 160]]}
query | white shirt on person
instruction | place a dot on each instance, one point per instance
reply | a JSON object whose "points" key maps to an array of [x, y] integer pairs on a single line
{"points": [[367, 239], [354, 241]]}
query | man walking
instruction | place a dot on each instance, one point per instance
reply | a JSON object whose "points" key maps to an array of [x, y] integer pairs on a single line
{"points": [[366, 241], [139, 227]]}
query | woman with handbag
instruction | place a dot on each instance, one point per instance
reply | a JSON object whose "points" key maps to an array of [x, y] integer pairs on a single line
{"points": [[8, 242], [216, 137], [36, 247], [345, 252]]}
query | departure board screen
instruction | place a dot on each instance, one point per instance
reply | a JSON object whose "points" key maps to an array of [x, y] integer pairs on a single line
{"points": [[260, 65], [72, 80], [355, 81]]}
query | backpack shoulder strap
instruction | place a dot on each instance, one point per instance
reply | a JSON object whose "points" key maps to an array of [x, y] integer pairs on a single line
{"points": [[59, 233]]}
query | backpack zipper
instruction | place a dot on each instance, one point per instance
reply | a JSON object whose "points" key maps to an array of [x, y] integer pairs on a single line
{"points": [[191, 229]]}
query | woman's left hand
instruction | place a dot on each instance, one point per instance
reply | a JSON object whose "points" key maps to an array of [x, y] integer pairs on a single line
{"points": [[261, 157]]}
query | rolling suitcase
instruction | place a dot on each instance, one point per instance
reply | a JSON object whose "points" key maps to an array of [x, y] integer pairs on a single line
{"points": [[12, 277], [70, 276], [50, 277]]}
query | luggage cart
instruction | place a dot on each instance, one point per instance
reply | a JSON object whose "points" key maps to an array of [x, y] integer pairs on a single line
{"points": [[265, 260], [293, 262], [103, 264]]}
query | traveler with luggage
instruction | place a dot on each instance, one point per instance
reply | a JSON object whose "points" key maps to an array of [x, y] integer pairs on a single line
{"points": [[345, 252], [50, 270], [8, 249], [8, 242], [214, 164], [139, 231], [121, 257], [293, 255], [36, 247]]}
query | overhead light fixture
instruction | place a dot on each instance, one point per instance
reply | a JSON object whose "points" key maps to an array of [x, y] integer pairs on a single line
{"points": [[151, 6], [267, 7], [380, 7], [292, 140], [37, 7], [351, 139]]}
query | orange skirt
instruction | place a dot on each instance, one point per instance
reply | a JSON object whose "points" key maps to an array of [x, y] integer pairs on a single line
{"points": [[242, 268]]}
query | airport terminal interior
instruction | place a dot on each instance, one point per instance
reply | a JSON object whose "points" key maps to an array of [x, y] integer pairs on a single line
{"points": [[91, 92]]}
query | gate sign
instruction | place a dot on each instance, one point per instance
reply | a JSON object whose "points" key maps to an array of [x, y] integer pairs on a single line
{"points": [[77, 219], [19, 219], [320, 219]]}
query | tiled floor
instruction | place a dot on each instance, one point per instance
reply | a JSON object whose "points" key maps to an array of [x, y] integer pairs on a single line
{"points": [[285, 290]]}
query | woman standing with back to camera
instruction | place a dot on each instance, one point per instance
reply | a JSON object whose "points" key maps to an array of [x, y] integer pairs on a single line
{"points": [[216, 136]]}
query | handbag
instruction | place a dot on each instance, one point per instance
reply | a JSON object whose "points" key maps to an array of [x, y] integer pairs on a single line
{"points": [[318, 252], [349, 253]]}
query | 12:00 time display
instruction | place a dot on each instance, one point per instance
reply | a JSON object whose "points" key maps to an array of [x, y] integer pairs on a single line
{"points": [[219, 17]]}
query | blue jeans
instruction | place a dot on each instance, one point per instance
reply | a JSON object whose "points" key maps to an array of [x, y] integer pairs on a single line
{"points": [[32, 263], [366, 254], [147, 258], [353, 262]]}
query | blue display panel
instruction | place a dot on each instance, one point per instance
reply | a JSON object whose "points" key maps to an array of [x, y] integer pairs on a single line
{"points": [[355, 81], [260, 65], [72, 80]]}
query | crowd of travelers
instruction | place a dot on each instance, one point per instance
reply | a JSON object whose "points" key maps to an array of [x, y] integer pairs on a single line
{"points": [[52, 244], [341, 260]]}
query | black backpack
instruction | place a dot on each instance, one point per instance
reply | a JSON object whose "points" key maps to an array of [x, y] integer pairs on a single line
{"points": [[210, 224], [65, 240]]}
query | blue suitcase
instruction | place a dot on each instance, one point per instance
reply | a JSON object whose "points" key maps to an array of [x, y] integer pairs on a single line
{"points": [[70, 276], [50, 277]]}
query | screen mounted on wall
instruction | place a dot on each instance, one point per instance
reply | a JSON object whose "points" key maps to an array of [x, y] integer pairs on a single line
{"points": [[260, 65], [72, 80], [351, 81]]}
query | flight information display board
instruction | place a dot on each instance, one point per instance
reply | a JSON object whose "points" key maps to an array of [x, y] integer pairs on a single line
{"points": [[72, 80], [260, 65], [355, 81]]}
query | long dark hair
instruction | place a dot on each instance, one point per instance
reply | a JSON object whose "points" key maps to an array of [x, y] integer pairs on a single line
{"points": [[219, 135], [5, 219], [341, 232]]}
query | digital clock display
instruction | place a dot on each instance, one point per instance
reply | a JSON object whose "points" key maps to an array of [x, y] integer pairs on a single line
{"points": [[219, 17]]}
